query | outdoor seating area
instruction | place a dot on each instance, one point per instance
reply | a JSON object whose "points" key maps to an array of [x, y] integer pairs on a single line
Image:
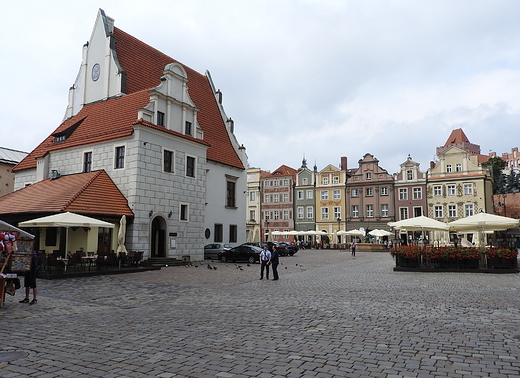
{"points": [[83, 263]]}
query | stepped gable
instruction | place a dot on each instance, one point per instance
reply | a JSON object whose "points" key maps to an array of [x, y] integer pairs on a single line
{"points": [[144, 67], [92, 193]]}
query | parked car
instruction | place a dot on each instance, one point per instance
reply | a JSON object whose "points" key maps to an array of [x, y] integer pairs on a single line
{"points": [[211, 251], [249, 253], [285, 249], [257, 244]]}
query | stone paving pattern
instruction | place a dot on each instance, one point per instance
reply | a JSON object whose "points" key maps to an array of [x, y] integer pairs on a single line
{"points": [[329, 315]]}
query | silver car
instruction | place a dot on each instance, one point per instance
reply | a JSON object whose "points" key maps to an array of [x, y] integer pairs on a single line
{"points": [[211, 251]]}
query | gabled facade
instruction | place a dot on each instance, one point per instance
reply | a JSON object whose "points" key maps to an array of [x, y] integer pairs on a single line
{"points": [[304, 204], [160, 132], [410, 191], [277, 201], [370, 196], [254, 194], [330, 197], [458, 186]]}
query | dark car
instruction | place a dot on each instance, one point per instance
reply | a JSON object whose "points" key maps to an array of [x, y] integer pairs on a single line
{"points": [[249, 253], [211, 251], [286, 249], [258, 244]]}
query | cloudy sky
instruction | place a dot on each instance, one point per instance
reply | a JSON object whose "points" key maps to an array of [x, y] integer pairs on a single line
{"points": [[320, 78]]}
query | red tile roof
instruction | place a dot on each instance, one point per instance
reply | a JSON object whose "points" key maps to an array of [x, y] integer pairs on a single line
{"points": [[456, 137], [283, 170], [92, 193], [114, 118], [144, 67]]}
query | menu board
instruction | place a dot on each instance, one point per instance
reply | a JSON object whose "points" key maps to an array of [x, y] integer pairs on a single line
{"points": [[24, 246], [20, 263]]}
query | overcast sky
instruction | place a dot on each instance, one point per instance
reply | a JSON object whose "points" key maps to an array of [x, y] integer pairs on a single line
{"points": [[320, 78]]}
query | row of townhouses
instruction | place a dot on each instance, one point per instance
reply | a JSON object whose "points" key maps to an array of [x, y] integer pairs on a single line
{"points": [[368, 196]]}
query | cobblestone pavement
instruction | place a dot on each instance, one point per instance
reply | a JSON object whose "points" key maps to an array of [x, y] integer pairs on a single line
{"points": [[329, 315]]}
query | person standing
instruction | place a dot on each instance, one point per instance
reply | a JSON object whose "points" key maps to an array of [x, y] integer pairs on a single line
{"points": [[30, 280], [274, 263], [265, 260], [353, 247]]}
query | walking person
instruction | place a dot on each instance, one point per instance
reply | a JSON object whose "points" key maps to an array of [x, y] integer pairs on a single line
{"points": [[30, 280], [265, 260], [274, 263], [353, 247]]}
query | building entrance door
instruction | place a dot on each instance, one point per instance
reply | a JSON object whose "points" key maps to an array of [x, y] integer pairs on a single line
{"points": [[158, 237]]}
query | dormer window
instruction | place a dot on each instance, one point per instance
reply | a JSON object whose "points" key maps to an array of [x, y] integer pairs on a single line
{"points": [[187, 128], [64, 134], [60, 138], [160, 118]]}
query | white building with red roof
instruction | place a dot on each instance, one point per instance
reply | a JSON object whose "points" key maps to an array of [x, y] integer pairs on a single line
{"points": [[158, 129]]}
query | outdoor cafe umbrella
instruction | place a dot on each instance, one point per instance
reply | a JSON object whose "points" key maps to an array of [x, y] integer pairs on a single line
{"points": [[380, 233], [483, 223], [420, 223], [121, 235], [66, 220]]}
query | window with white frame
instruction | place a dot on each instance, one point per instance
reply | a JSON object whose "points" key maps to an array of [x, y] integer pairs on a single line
{"points": [[310, 194], [451, 190], [286, 197], [184, 212], [458, 167], [370, 211], [324, 195], [87, 162], [336, 194], [335, 180], [300, 194], [120, 157], [286, 214], [469, 209], [403, 212], [252, 196], [325, 180], [305, 181], [468, 189], [276, 215], [368, 176], [384, 190], [276, 197], [267, 198], [452, 211], [437, 191], [300, 213], [190, 166], [252, 215], [384, 210], [324, 213], [266, 183], [438, 211], [267, 215], [417, 211], [285, 182], [354, 193], [369, 192], [337, 212], [355, 211], [188, 129], [417, 193], [409, 175], [403, 193], [449, 168], [275, 182], [310, 212]]}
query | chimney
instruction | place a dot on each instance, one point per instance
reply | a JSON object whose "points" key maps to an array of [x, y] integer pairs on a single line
{"points": [[343, 163]]}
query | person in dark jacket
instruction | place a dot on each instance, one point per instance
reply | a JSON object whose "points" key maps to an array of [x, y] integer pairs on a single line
{"points": [[30, 281], [274, 263]]}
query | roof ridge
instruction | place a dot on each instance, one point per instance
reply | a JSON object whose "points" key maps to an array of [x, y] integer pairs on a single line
{"points": [[87, 184]]}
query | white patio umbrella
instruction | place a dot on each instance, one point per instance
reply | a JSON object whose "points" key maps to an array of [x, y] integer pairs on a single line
{"points": [[66, 220], [483, 223], [380, 233], [121, 235], [420, 223], [4, 226], [355, 233]]}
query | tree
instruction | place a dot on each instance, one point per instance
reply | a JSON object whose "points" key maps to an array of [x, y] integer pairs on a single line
{"points": [[495, 165]]}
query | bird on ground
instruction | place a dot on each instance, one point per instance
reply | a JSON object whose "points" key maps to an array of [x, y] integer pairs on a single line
{"points": [[209, 266], [215, 267]]}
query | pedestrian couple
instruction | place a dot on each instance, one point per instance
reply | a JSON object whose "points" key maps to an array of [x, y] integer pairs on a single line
{"points": [[269, 258]]}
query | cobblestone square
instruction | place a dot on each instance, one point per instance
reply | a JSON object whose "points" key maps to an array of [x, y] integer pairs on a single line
{"points": [[329, 315]]}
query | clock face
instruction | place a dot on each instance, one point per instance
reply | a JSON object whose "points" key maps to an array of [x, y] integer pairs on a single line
{"points": [[96, 70]]}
